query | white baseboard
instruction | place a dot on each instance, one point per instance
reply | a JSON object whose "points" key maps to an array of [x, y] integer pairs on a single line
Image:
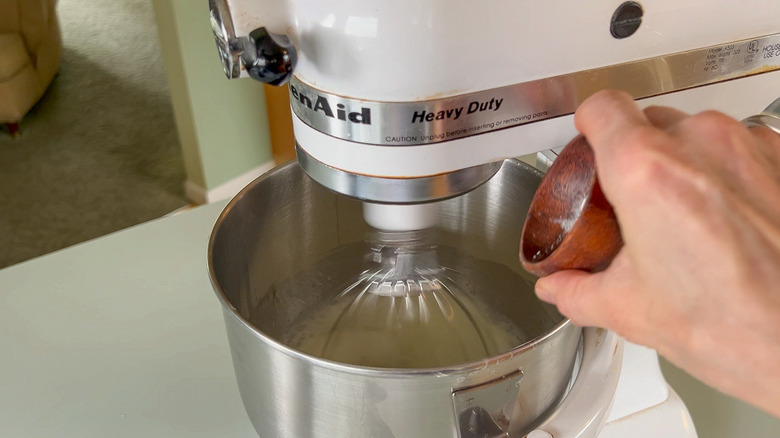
{"points": [[199, 195], [195, 192]]}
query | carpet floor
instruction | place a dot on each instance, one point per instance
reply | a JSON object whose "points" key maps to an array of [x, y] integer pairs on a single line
{"points": [[99, 152]]}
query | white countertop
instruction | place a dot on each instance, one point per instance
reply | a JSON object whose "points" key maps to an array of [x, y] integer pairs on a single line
{"points": [[121, 336]]}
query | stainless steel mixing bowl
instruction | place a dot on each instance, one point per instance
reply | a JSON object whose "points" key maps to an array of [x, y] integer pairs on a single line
{"points": [[270, 260]]}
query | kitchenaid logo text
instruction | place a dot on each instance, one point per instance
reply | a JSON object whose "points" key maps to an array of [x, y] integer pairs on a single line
{"points": [[455, 113], [321, 104]]}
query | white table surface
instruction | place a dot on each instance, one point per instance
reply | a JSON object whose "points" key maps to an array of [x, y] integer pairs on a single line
{"points": [[121, 336]]}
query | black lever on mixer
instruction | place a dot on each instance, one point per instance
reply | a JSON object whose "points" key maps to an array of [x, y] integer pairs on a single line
{"points": [[269, 57]]}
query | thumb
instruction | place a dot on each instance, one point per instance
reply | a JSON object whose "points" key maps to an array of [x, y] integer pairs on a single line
{"points": [[578, 295]]}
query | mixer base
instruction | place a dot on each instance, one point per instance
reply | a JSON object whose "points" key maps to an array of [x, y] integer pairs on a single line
{"points": [[668, 419], [643, 405]]}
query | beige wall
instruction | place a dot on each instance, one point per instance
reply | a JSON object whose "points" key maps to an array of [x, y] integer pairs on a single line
{"points": [[222, 124]]}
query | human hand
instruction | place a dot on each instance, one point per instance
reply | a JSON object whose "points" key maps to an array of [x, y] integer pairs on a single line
{"points": [[698, 278]]}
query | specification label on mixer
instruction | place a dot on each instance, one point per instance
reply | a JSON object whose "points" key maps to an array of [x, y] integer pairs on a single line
{"points": [[432, 121], [732, 56]]}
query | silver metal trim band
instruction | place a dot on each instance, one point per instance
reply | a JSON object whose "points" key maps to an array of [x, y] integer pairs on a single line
{"points": [[438, 120], [396, 190]]}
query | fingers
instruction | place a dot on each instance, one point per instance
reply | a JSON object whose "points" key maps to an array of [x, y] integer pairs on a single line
{"points": [[578, 295], [768, 143], [766, 135], [605, 117], [630, 145], [609, 299], [663, 117], [607, 114], [619, 132]]}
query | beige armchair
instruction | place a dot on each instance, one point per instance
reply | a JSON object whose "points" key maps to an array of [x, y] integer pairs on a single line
{"points": [[30, 47]]}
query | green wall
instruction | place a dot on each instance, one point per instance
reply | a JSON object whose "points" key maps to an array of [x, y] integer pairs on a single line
{"points": [[715, 414], [222, 123]]}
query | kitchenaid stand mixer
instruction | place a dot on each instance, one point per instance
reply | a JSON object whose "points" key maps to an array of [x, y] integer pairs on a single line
{"points": [[404, 104]]}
